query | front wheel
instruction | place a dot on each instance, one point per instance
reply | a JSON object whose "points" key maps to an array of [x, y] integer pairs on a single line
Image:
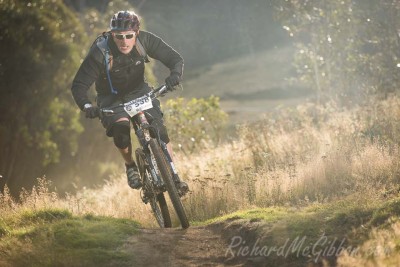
{"points": [[157, 201], [166, 174]]}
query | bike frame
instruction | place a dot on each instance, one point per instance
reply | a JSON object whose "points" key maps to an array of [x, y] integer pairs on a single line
{"points": [[142, 131]]}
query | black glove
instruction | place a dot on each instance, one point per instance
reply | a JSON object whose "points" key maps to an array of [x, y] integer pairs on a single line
{"points": [[91, 112], [172, 80]]}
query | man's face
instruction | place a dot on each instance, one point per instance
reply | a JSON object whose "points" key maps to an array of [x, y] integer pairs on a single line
{"points": [[125, 41]]}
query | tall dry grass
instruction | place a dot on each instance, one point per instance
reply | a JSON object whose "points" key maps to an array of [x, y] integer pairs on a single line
{"points": [[114, 199], [311, 153], [308, 154]]}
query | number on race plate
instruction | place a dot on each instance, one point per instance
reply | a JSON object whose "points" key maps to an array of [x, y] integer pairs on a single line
{"points": [[139, 104]]}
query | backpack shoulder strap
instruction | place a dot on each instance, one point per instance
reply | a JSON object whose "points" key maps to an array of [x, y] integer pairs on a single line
{"points": [[141, 50], [102, 44]]}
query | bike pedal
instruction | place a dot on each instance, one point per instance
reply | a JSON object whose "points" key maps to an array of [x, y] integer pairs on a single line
{"points": [[145, 197]]}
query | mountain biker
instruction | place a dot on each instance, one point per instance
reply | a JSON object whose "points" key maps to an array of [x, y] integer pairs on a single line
{"points": [[125, 48]]}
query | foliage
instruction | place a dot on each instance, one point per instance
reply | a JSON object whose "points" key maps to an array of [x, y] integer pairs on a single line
{"points": [[346, 49], [37, 121], [193, 124]]}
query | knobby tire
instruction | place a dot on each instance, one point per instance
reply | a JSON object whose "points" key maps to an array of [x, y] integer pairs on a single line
{"points": [[166, 174], [159, 199]]}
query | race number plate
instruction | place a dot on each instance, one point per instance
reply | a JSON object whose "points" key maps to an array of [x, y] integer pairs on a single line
{"points": [[139, 104]]}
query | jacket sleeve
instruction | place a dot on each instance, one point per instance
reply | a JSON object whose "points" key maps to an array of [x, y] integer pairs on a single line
{"points": [[156, 48], [87, 74]]}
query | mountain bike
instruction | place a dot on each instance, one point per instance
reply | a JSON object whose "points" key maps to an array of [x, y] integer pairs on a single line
{"points": [[155, 164]]}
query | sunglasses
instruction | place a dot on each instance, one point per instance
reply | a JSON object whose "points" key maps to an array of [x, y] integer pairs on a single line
{"points": [[124, 36]]}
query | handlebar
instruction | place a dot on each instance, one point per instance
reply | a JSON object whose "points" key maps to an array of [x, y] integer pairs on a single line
{"points": [[153, 94]]}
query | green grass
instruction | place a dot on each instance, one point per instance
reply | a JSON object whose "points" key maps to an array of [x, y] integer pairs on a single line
{"points": [[386, 211], [258, 214], [349, 220], [56, 238]]}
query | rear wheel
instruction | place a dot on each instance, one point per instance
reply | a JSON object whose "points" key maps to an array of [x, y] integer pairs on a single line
{"points": [[157, 201], [166, 174]]}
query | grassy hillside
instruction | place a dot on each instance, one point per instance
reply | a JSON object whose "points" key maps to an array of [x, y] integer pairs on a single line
{"points": [[248, 86], [352, 231], [244, 76], [54, 237]]}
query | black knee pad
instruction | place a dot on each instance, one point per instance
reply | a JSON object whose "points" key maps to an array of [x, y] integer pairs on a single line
{"points": [[122, 134]]}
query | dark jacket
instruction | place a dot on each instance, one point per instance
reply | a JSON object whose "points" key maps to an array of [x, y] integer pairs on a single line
{"points": [[127, 71]]}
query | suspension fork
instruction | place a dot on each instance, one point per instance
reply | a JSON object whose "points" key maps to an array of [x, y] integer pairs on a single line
{"points": [[146, 138], [143, 134]]}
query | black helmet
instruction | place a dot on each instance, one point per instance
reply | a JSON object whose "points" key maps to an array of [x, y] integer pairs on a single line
{"points": [[125, 21]]}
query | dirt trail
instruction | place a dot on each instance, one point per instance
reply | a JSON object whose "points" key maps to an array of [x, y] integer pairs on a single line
{"points": [[196, 246]]}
